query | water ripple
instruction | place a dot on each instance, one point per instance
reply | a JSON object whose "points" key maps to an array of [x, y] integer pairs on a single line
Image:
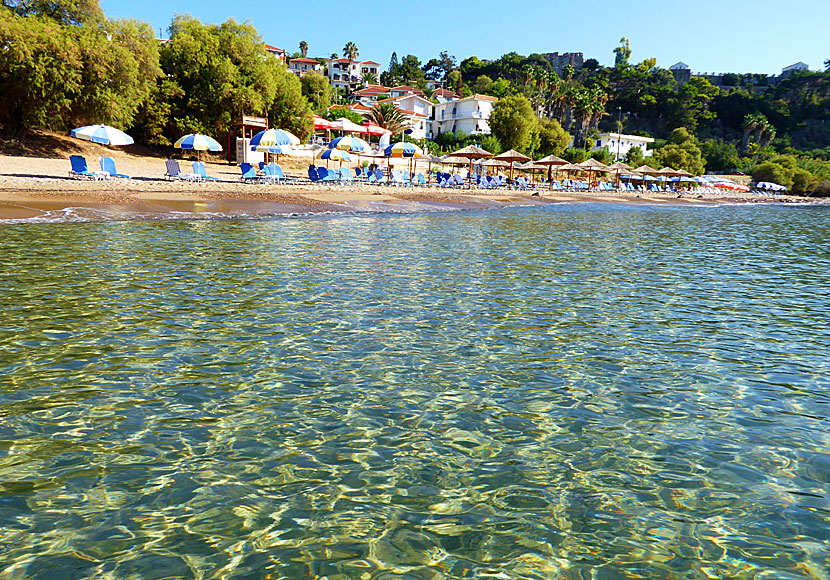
{"points": [[572, 391]]}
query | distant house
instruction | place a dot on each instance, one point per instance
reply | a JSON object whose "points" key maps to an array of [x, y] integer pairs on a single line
{"points": [[619, 144], [418, 111], [402, 90], [278, 52], [681, 72], [369, 94], [303, 66], [344, 73], [469, 115], [443, 95], [797, 67]]}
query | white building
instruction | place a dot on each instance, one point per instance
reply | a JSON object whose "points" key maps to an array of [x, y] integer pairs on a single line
{"points": [[303, 66], [369, 95], [418, 111], [278, 52], [343, 72], [619, 144], [469, 114]]}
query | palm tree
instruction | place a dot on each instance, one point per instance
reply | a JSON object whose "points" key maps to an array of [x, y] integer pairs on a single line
{"points": [[350, 51], [389, 117], [370, 78], [303, 48]]}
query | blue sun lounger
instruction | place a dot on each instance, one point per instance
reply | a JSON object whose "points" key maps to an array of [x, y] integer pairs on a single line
{"points": [[108, 166], [81, 171]]}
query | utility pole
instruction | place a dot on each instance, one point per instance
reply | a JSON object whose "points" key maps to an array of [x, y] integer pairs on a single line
{"points": [[619, 132]]}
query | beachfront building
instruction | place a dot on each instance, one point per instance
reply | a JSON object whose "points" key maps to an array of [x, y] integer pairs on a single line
{"points": [[418, 111], [345, 74], [619, 144], [303, 66], [370, 94], [469, 115], [278, 52]]}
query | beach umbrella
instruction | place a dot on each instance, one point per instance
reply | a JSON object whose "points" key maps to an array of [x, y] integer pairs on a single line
{"points": [[197, 142], [349, 143], [618, 168], [472, 152], [334, 155], [594, 166], [512, 156], [103, 134], [550, 162], [403, 149], [270, 137], [646, 170]]}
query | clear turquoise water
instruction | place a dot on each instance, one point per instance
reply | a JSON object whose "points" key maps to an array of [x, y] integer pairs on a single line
{"points": [[581, 392]]}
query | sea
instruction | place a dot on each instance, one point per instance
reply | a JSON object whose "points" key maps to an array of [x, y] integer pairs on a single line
{"points": [[575, 391]]}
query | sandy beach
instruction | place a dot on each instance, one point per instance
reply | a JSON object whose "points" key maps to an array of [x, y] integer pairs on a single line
{"points": [[37, 186]]}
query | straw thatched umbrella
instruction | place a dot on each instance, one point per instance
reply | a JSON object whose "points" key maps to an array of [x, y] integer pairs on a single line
{"points": [[550, 162], [511, 156], [472, 152], [618, 168], [594, 166]]}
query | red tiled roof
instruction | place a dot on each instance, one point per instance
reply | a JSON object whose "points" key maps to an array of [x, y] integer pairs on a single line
{"points": [[406, 88], [413, 113], [370, 62], [274, 48], [444, 93], [359, 107], [306, 60], [372, 90]]}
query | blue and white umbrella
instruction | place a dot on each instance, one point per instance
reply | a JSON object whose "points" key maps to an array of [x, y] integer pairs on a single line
{"points": [[349, 143], [403, 149], [198, 142], [335, 155], [103, 134], [275, 149], [271, 137]]}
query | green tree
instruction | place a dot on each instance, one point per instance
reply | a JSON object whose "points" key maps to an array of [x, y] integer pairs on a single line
{"points": [[317, 90], [388, 116], [40, 73], [492, 144], [369, 78], [335, 113], [62, 63], [289, 109], [350, 51], [223, 72], [483, 85], [303, 48], [622, 53], [410, 70], [634, 157], [514, 124], [681, 152], [553, 139], [772, 172]]}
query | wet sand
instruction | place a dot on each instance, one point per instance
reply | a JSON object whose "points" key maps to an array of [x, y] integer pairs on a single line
{"points": [[39, 189]]}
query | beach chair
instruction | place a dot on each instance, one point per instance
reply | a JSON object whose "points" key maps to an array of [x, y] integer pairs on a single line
{"points": [[108, 166], [422, 180], [80, 170], [175, 172], [346, 175], [313, 176], [329, 177], [459, 181], [200, 171], [248, 173], [380, 177]]}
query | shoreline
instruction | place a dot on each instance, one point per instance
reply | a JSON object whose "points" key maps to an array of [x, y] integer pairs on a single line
{"points": [[38, 190]]}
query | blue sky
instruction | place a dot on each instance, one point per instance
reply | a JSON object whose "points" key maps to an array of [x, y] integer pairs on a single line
{"points": [[708, 35]]}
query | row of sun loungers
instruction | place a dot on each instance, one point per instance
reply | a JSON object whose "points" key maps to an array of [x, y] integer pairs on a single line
{"points": [[80, 170]]}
